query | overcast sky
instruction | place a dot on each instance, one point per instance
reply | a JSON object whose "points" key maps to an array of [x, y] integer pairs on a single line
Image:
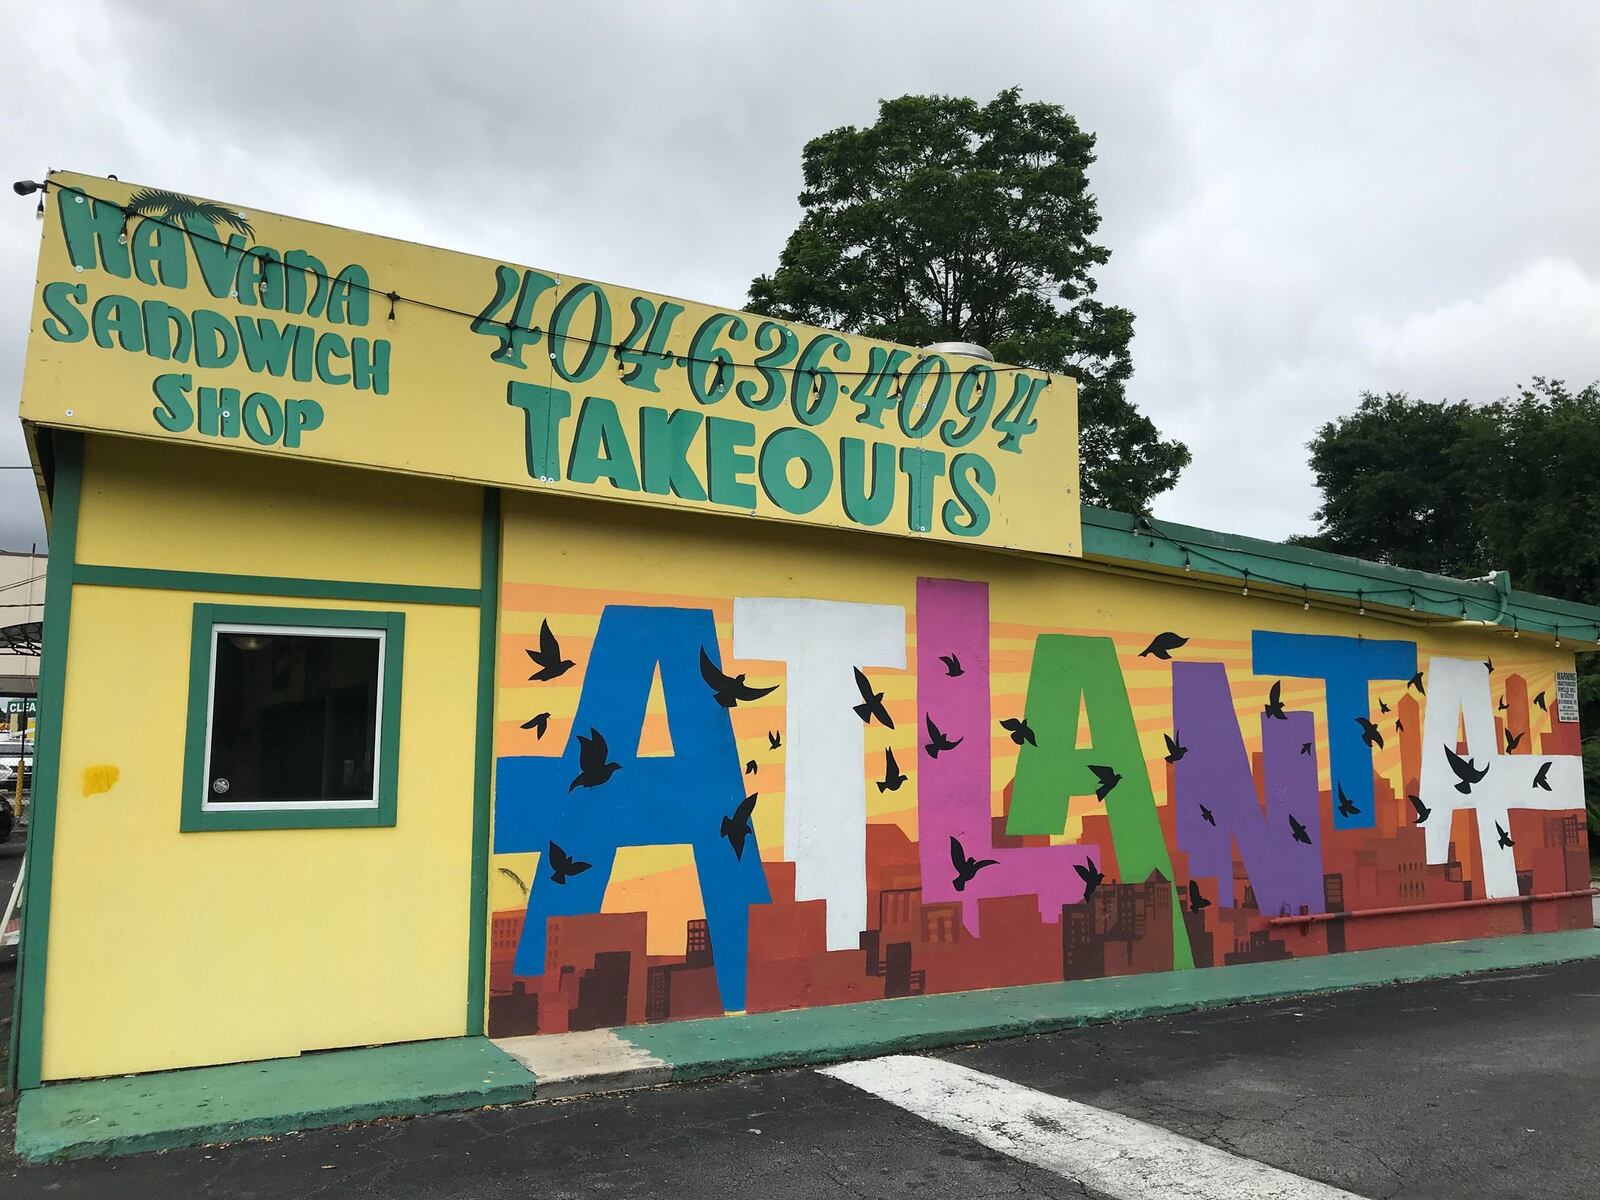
{"points": [[1302, 200]]}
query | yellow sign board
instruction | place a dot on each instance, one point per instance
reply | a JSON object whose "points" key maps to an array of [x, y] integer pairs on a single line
{"points": [[164, 316]]}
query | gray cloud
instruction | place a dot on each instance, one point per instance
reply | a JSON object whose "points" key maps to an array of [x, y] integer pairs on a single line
{"points": [[1302, 201]]}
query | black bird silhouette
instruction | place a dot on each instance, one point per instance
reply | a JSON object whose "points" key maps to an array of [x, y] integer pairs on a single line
{"points": [[593, 769], [1489, 664], [1196, 900], [1505, 838], [871, 703], [562, 865], [1091, 876], [1174, 750], [966, 867], [937, 740], [1423, 811], [548, 656], [1369, 733], [1346, 808], [1205, 815], [1416, 682], [1299, 831], [774, 740], [1539, 700], [1162, 645], [1541, 777], [893, 776], [1466, 771], [1108, 778], [1513, 740], [729, 690], [1383, 706], [1274, 705], [737, 827], [1399, 725], [1305, 747], [1019, 730], [1503, 704], [750, 767], [952, 665], [538, 724]]}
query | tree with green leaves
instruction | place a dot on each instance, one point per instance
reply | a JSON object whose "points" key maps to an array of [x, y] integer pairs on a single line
{"points": [[1464, 489], [947, 220]]}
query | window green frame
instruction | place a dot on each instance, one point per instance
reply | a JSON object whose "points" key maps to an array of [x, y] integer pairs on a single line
{"points": [[195, 817]]}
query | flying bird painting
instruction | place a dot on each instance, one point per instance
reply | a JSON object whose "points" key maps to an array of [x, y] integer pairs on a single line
{"points": [[1416, 682], [1197, 901], [1513, 740], [1108, 778], [562, 865], [1274, 705], [893, 776], [966, 867], [1346, 807], [1299, 831], [538, 724], [1466, 771], [1207, 816], [871, 703], [1174, 750], [938, 743], [548, 657], [1540, 701], [952, 665], [593, 769], [1541, 777], [1505, 838], [1423, 811], [774, 740], [1162, 645], [1019, 730], [1089, 872], [1369, 733], [737, 827], [729, 689]]}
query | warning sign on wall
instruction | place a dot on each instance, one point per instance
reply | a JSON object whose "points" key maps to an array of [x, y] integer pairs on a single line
{"points": [[1566, 695]]}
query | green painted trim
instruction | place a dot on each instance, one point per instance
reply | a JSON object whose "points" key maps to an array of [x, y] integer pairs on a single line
{"points": [[193, 816], [162, 1111], [1119, 538], [27, 1026], [483, 764], [729, 1045], [273, 585]]}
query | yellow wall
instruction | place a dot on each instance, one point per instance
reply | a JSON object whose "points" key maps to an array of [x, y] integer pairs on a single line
{"points": [[169, 948]]}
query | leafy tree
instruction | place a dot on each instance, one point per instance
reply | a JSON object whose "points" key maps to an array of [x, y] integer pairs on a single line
{"points": [[950, 221], [1465, 489]]}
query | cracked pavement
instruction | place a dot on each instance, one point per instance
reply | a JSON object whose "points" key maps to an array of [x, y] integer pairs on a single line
{"points": [[1475, 1087]]}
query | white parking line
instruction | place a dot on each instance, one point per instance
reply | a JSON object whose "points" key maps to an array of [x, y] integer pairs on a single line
{"points": [[1107, 1151]]}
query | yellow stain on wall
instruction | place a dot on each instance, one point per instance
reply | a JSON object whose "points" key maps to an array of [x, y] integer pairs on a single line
{"points": [[99, 779]]}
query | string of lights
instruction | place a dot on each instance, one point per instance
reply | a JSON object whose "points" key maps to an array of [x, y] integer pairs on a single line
{"points": [[396, 298], [1193, 553]]}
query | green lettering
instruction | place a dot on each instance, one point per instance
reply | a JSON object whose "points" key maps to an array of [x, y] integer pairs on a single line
{"points": [[790, 445], [263, 419], [174, 413], [92, 229], [725, 465], [299, 416], [664, 440], [159, 254], [219, 412], [118, 315], [369, 362], [305, 285], [216, 344], [862, 506], [266, 344], [160, 320], [921, 468], [218, 260], [594, 343], [543, 410], [347, 297], [66, 322], [331, 345], [600, 448], [972, 481]]}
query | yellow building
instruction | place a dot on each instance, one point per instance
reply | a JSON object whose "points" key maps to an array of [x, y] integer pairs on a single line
{"points": [[436, 645]]}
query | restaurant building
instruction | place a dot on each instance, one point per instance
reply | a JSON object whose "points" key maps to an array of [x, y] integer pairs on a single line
{"points": [[436, 646]]}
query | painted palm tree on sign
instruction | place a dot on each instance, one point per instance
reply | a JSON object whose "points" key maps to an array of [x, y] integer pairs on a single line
{"points": [[176, 208]]}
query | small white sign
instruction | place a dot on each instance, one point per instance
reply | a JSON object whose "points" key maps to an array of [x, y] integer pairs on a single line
{"points": [[1567, 695]]}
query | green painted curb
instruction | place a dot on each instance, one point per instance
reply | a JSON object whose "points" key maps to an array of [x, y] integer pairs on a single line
{"points": [[101, 1117], [730, 1045]]}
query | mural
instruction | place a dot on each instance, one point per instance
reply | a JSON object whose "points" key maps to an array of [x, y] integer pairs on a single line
{"points": [[709, 805]]}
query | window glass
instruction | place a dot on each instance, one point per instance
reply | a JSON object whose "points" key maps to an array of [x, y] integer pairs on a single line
{"points": [[294, 716]]}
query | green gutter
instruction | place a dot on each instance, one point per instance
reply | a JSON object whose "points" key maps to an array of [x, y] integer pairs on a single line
{"points": [[27, 1026], [1122, 539]]}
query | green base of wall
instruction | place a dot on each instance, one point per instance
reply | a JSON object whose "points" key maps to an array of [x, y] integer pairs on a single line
{"points": [[700, 1049], [162, 1111], [101, 1117]]}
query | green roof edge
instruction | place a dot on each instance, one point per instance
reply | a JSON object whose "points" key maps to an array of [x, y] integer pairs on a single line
{"points": [[1116, 537]]}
